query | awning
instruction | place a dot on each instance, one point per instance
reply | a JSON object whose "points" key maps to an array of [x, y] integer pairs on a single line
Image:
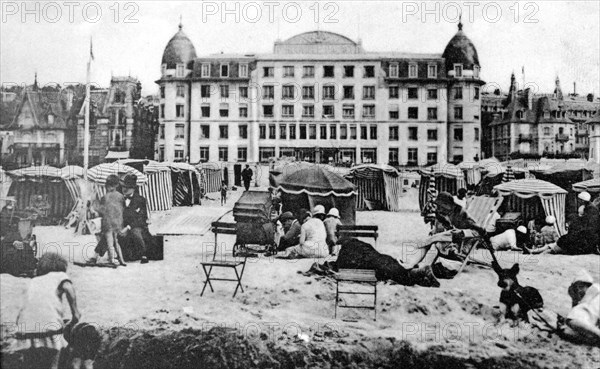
{"points": [[117, 155], [591, 185]]}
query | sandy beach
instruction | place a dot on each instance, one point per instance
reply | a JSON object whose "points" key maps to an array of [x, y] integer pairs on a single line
{"points": [[153, 315]]}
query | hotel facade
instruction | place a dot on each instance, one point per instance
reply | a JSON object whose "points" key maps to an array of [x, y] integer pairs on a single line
{"points": [[320, 97]]}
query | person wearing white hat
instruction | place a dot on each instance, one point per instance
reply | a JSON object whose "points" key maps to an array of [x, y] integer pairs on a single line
{"points": [[312, 237], [319, 212], [582, 324], [331, 223]]}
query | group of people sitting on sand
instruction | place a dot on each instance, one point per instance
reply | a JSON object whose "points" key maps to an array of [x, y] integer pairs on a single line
{"points": [[307, 234], [538, 235]]}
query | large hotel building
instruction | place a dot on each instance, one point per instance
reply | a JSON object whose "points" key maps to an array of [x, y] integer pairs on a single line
{"points": [[320, 97]]}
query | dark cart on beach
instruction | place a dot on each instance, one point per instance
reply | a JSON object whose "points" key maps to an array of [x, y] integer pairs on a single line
{"points": [[254, 224]]}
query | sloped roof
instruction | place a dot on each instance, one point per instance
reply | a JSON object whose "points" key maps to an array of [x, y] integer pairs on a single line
{"points": [[42, 105]]}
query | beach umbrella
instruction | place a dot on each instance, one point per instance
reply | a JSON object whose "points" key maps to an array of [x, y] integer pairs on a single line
{"points": [[431, 191], [509, 175]]}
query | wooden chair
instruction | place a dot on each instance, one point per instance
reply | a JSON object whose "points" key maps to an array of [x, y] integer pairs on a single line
{"points": [[368, 231], [481, 209], [356, 276], [223, 262]]}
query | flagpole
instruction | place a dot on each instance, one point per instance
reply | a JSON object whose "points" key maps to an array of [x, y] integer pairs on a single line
{"points": [[86, 126]]}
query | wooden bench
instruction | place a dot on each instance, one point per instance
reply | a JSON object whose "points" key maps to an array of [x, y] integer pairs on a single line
{"points": [[369, 231], [207, 266], [356, 276]]}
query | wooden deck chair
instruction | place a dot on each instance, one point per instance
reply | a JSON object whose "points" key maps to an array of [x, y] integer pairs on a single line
{"points": [[481, 209]]}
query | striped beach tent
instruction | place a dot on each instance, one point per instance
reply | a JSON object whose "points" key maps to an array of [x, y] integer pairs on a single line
{"points": [[211, 177], [158, 191], [525, 195], [591, 185], [45, 181], [5, 182], [448, 178], [186, 184], [98, 174], [376, 185]]}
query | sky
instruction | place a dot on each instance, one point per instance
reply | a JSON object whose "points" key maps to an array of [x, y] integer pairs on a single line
{"points": [[545, 38]]}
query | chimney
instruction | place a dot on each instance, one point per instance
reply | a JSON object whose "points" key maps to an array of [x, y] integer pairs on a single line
{"points": [[69, 99], [529, 98], [574, 89]]}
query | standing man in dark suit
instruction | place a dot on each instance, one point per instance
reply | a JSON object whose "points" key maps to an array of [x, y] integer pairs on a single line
{"points": [[247, 176], [135, 216]]}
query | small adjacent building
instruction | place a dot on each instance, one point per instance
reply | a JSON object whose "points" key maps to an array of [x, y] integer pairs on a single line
{"points": [[36, 127], [523, 124], [111, 121]]}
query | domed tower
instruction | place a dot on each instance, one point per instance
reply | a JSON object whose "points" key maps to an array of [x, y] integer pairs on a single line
{"points": [[175, 92], [179, 53], [464, 99]]}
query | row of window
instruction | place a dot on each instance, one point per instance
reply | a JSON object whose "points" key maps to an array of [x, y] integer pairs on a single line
{"points": [[328, 71], [308, 111], [367, 154], [288, 92], [309, 131]]}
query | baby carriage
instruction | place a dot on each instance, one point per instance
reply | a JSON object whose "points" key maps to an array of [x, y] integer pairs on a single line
{"points": [[254, 225]]}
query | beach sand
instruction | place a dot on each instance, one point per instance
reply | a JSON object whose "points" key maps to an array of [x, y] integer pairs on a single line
{"points": [[152, 316]]}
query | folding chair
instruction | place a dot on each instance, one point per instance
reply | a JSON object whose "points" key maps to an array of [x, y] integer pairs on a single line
{"points": [[481, 209], [224, 262]]}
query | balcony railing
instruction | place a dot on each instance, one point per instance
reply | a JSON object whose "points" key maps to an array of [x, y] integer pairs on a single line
{"points": [[561, 137], [582, 132], [525, 137]]}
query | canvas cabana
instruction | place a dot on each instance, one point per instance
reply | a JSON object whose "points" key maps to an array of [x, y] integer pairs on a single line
{"points": [[210, 177], [565, 175], [313, 186], [591, 186], [378, 186], [5, 182], [98, 175], [496, 176], [448, 178], [186, 184], [159, 189], [534, 199], [473, 169], [59, 192]]}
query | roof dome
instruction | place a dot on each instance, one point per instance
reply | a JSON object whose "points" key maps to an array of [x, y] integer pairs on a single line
{"points": [[179, 50], [460, 50]]}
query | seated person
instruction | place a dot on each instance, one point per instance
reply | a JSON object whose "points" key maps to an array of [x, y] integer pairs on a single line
{"points": [[505, 241], [491, 227], [461, 197], [582, 324], [291, 229], [331, 223], [455, 222], [523, 241], [548, 237], [312, 239]]}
